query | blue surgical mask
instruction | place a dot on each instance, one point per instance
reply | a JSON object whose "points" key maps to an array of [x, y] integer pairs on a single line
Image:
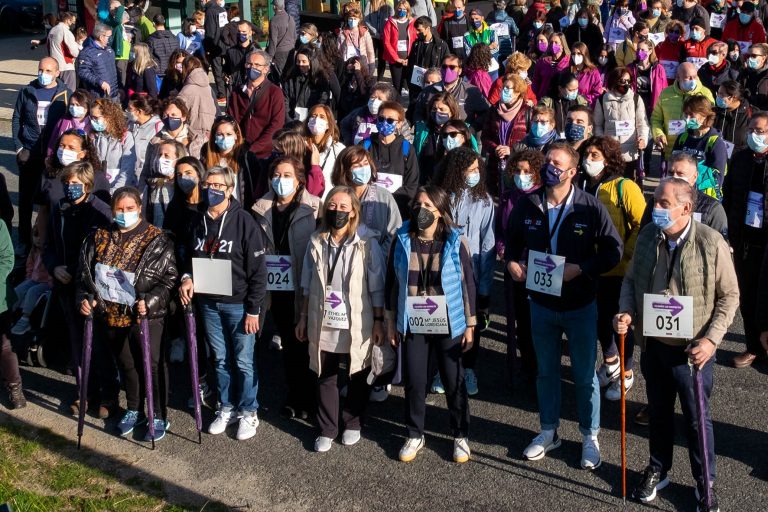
{"points": [[254, 74], [126, 219], [688, 85], [697, 35], [506, 95], [459, 13], [752, 62], [662, 217], [692, 123], [477, 24], [540, 129], [304, 39], [352, 22], [361, 175], [98, 125], [73, 191], [450, 143], [574, 132], [402, 13], [225, 143], [745, 18], [215, 197], [45, 79], [720, 102], [472, 179], [186, 184], [283, 187], [656, 13], [571, 95], [757, 143], [385, 129], [537, 25], [77, 111], [524, 182], [583, 22]]}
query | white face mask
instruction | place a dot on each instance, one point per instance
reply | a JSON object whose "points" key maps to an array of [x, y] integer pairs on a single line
{"points": [[593, 167], [578, 60], [165, 166], [317, 125], [66, 156], [373, 105], [523, 75]]}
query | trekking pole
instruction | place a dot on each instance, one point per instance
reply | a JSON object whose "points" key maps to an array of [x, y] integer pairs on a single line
{"points": [[623, 421], [701, 418], [85, 368], [146, 354], [189, 320]]}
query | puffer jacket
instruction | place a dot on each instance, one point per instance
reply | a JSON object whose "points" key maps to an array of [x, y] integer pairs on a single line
{"points": [[198, 97], [670, 108], [24, 126], [629, 107], [142, 136], [712, 79], [755, 82], [162, 44], [118, 159], [475, 220], [156, 274], [733, 124], [95, 66]]}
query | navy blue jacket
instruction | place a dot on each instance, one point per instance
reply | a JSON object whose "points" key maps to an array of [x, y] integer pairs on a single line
{"points": [[24, 126], [587, 237], [97, 65]]}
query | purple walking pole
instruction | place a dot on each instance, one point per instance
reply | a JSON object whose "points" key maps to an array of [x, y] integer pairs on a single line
{"points": [[701, 417], [147, 356], [85, 368], [189, 320]]}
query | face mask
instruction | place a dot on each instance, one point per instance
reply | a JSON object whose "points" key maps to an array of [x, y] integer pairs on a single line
{"points": [[506, 95], [602, 61], [757, 143], [692, 123], [577, 60], [98, 125], [459, 13], [73, 191], [593, 168], [242, 37], [745, 18], [172, 123], [441, 118], [713, 59], [622, 89], [583, 22], [44, 78], [680, 3], [126, 219], [77, 111], [642, 55], [317, 125], [656, 13], [304, 39], [165, 166], [449, 75], [524, 182], [477, 24], [542, 46], [66, 156], [472, 179], [734, 56], [571, 95], [697, 35], [352, 22], [550, 175], [373, 105], [361, 175], [254, 74], [402, 13], [283, 187], [623, 10], [450, 143], [424, 218], [688, 85], [662, 218], [385, 128], [523, 75], [752, 62], [574, 132], [538, 24], [187, 184], [556, 48], [720, 102], [225, 143], [540, 129], [215, 197], [336, 219], [178, 67], [674, 36], [192, 29]]}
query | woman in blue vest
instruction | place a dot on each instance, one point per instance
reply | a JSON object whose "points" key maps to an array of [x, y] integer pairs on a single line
{"points": [[430, 307]]}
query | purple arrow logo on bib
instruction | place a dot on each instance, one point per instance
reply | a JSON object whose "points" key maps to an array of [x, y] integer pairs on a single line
{"points": [[387, 182], [430, 305], [283, 264], [117, 275], [547, 263], [334, 300], [673, 306]]}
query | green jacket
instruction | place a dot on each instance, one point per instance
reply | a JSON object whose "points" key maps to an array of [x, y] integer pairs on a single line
{"points": [[7, 259], [669, 107]]}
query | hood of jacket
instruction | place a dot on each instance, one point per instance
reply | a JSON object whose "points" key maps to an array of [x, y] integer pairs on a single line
{"points": [[163, 34], [197, 77]]}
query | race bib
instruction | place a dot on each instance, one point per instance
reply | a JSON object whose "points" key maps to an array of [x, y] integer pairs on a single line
{"points": [[667, 316], [729, 147], [334, 310], [716, 20], [223, 19], [617, 35], [457, 42], [744, 46], [115, 285], [676, 127], [42, 112], [213, 277], [657, 38], [402, 46], [417, 77], [427, 314], [670, 68], [545, 273], [350, 52], [111, 175], [494, 66], [391, 182], [301, 113], [500, 29], [755, 210], [279, 273], [697, 216], [364, 131], [624, 128], [697, 61]]}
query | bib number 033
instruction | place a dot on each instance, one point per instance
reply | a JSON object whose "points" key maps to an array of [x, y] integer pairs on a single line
{"points": [[545, 273]]}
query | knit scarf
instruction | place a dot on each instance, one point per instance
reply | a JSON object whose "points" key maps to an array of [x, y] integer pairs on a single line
{"points": [[538, 142], [509, 113]]}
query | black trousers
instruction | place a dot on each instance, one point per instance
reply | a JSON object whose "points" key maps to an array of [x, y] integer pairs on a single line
{"points": [[518, 328], [301, 381], [334, 376], [609, 290], [381, 64], [29, 181], [748, 260], [218, 75], [398, 74], [125, 343], [446, 353]]}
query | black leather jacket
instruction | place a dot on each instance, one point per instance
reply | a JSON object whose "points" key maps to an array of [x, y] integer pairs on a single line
{"points": [[156, 274]]}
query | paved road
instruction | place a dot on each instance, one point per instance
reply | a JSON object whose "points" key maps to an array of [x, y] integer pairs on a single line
{"points": [[276, 469]]}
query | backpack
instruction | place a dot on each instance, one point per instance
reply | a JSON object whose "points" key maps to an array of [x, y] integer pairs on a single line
{"points": [[707, 181], [406, 148], [624, 214]]}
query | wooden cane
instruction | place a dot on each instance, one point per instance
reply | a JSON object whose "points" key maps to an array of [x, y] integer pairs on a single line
{"points": [[623, 421]]}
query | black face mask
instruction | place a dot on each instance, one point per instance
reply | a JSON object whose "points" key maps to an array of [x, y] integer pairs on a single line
{"points": [[424, 218], [336, 218]]}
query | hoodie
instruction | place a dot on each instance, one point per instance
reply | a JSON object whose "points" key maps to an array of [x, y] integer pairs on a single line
{"points": [[197, 95]]}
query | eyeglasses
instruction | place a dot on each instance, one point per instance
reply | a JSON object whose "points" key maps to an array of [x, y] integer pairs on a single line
{"points": [[450, 134], [388, 120], [452, 67], [755, 55], [623, 82], [215, 186]]}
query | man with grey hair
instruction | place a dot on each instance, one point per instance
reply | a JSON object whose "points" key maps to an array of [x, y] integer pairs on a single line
{"points": [[96, 64], [258, 105], [282, 35], [680, 292], [718, 70]]}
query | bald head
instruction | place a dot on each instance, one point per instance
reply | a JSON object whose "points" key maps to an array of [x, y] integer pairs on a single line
{"points": [[48, 63], [686, 71], [48, 72]]}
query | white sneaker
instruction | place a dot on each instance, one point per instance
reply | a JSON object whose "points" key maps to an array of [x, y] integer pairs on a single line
{"points": [[177, 351], [461, 451], [350, 437], [323, 444], [380, 393], [246, 429], [541, 444], [22, 326], [222, 421], [411, 447], [607, 373], [614, 390], [590, 453], [205, 394], [276, 343]]}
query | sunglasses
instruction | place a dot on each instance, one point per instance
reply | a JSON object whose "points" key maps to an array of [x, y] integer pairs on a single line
{"points": [[388, 120], [450, 134], [450, 66], [623, 82], [755, 55]]}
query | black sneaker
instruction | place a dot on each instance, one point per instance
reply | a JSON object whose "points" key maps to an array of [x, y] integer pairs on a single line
{"points": [[701, 502], [653, 480], [16, 395]]}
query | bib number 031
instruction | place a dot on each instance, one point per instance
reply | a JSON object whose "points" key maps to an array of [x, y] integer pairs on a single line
{"points": [[667, 316]]}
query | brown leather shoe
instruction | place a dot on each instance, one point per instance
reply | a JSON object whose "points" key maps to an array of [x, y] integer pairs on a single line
{"points": [[641, 418], [744, 360]]}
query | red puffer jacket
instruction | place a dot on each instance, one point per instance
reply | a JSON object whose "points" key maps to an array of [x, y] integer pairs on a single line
{"points": [[390, 38]]}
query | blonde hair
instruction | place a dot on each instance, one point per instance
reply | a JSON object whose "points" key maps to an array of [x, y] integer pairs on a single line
{"points": [[518, 62], [518, 84], [354, 222], [143, 60]]}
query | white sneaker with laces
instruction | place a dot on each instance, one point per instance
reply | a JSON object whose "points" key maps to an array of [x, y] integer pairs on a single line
{"points": [[350, 437], [607, 373], [224, 418], [246, 429], [411, 447], [461, 451], [177, 350], [541, 444], [614, 390], [380, 393], [590, 453], [323, 444]]}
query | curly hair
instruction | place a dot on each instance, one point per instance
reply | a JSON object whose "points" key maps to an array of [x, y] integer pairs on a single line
{"points": [[479, 57], [456, 164], [611, 150], [342, 169], [53, 167], [518, 62], [459, 126], [113, 114], [535, 161]]}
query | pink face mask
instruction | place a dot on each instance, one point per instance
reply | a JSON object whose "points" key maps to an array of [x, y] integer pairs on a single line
{"points": [[556, 48], [543, 45], [449, 75]]}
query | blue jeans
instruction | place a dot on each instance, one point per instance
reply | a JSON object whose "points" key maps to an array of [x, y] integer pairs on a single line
{"points": [[225, 329], [580, 326]]}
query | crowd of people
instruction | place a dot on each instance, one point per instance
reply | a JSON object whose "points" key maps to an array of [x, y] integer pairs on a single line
{"points": [[297, 190]]}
